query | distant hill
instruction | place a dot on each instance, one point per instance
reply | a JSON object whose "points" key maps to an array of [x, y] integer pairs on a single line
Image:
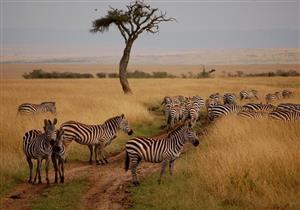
{"points": [[184, 57]]}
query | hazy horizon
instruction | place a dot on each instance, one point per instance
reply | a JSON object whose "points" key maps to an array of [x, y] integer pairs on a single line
{"points": [[54, 28]]}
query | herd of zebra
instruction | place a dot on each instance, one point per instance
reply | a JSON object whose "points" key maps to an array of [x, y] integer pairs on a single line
{"points": [[52, 143], [181, 114], [179, 108]]}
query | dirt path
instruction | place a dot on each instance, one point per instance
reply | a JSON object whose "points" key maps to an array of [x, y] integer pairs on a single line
{"points": [[108, 189]]}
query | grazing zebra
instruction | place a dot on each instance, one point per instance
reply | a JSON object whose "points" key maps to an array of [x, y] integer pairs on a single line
{"points": [[251, 114], [266, 108], [209, 103], [248, 94], [195, 105], [38, 145], [28, 108], [286, 94], [58, 156], [97, 137], [289, 106], [285, 115], [229, 98], [216, 96], [174, 115], [158, 149], [223, 110], [270, 97]]}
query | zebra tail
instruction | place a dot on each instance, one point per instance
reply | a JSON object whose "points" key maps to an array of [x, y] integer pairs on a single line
{"points": [[126, 161]]}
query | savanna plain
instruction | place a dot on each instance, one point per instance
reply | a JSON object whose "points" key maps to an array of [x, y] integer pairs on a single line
{"points": [[240, 164]]}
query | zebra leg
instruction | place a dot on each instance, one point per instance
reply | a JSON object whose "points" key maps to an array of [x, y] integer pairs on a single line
{"points": [[39, 166], [47, 170], [96, 153], [62, 175], [30, 169], [54, 162], [100, 151], [134, 162], [163, 168], [104, 155], [171, 166], [91, 154]]}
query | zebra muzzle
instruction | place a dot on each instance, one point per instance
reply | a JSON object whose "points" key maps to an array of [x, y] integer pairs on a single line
{"points": [[196, 143], [130, 132]]}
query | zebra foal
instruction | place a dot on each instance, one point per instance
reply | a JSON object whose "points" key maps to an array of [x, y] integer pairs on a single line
{"points": [[29, 108], [58, 156], [163, 150], [38, 145]]}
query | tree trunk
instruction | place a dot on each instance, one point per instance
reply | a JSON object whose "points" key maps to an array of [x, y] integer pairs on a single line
{"points": [[123, 67]]}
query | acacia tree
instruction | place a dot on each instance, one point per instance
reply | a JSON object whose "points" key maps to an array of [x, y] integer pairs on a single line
{"points": [[139, 17]]}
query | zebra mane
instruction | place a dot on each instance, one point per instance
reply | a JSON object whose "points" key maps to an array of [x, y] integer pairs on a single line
{"points": [[112, 119], [47, 102], [177, 128]]}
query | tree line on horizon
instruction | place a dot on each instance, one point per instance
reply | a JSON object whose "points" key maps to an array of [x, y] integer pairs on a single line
{"points": [[40, 74]]}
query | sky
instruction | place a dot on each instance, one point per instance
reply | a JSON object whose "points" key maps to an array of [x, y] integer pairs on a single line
{"points": [[61, 27]]}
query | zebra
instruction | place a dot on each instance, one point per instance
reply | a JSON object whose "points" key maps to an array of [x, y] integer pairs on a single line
{"points": [[285, 115], [96, 137], [38, 145], [265, 108], [195, 105], [174, 115], [223, 110], [58, 156], [229, 98], [286, 94], [211, 102], [251, 114], [248, 94], [289, 106], [163, 150], [29, 108], [270, 97]]}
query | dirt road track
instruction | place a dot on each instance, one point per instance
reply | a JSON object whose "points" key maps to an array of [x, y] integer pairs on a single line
{"points": [[108, 189]]}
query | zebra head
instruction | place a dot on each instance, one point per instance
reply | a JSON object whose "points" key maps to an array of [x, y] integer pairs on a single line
{"points": [[189, 134], [50, 107], [50, 130], [124, 125], [58, 144]]}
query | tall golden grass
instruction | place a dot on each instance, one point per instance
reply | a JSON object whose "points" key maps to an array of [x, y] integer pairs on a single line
{"points": [[92, 101]]}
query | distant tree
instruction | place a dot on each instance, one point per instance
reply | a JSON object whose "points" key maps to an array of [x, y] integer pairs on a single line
{"points": [[138, 18]]}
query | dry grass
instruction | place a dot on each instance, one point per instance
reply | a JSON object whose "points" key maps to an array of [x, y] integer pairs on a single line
{"points": [[252, 165]]}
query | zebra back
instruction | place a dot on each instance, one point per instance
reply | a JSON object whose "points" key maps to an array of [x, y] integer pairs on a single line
{"points": [[285, 115]]}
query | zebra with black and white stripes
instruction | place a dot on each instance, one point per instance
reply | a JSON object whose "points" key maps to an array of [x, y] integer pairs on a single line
{"points": [[285, 115], [288, 106], [38, 145], [96, 137], [223, 110], [265, 108], [249, 114], [229, 98], [209, 103], [286, 93], [252, 94], [29, 108], [58, 156], [195, 105], [163, 150], [271, 97]]}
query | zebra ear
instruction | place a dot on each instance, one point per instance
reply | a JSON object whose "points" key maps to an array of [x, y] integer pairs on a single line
{"points": [[45, 122], [54, 121], [122, 115]]}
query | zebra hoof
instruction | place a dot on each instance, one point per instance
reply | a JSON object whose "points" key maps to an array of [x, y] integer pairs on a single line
{"points": [[62, 180], [30, 181], [105, 160], [91, 162]]}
